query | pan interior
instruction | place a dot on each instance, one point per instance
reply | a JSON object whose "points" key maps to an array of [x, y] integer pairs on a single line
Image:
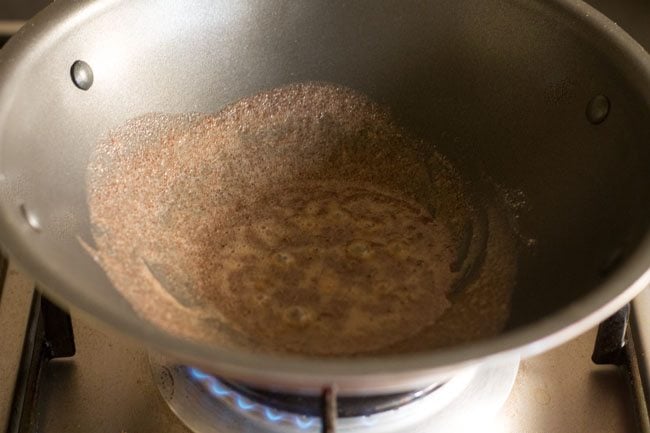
{"points": [[499, 88], [304, 220]]}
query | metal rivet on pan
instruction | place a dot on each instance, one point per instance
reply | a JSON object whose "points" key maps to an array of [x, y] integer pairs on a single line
{"points": [[32, 220], [82, 75], [598, 109]]}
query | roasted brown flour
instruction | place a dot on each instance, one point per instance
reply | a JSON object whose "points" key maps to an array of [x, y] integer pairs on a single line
{"points": [[297, 220]]}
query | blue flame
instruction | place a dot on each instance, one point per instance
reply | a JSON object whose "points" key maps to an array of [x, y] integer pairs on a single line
{"points": [[272, 416], [198, 374], [243, 404], [222, 392], [304, 423], [218, 390]]}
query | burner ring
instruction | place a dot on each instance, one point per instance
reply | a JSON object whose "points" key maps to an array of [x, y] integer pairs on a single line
{"points": [[347, 406], [208, 405]]}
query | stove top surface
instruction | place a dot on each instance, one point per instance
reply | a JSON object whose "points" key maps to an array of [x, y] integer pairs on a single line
{"points": [[108, 386]]}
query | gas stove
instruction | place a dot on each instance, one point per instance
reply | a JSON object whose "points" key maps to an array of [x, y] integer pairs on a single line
{"points": [[59, 373]]}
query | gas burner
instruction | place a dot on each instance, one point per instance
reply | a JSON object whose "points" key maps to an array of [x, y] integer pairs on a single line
{"points": [[207, 404], [347, 407]]}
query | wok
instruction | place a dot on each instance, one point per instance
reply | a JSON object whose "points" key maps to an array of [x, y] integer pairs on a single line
{"points": [[549, 99]]}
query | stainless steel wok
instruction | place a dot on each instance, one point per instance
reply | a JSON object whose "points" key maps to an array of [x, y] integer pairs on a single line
{"points": [[549, 98]]}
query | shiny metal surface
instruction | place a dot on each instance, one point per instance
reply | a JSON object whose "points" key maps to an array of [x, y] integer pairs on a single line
{"points": [[468, 78], [82, 75]]}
